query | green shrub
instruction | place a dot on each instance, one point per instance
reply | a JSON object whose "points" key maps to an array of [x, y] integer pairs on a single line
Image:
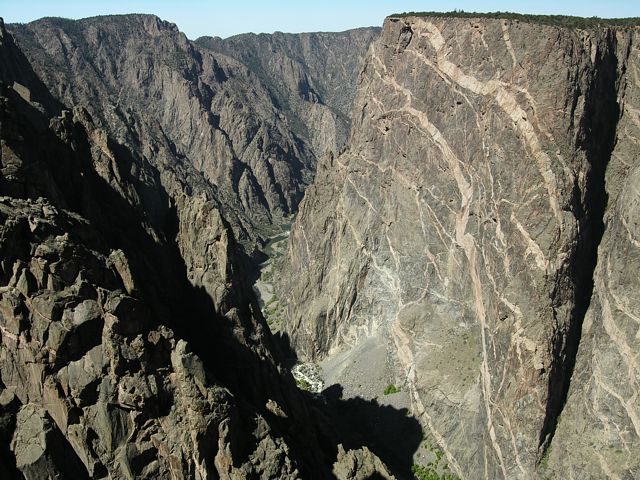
{"points": [[390, 389], [303, 385], [438, 469]]}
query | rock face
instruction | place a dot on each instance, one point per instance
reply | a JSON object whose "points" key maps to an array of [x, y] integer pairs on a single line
{"points": [[482, 224], [599, 423], [161, 95], [131, 345], [311, 76], [154, 92]]}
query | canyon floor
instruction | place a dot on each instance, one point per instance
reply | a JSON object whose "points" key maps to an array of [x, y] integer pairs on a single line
{"points": [[356, 384]]}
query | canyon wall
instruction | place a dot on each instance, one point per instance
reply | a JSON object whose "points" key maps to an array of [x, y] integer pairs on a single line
{"points": [[311, 77], [481, 227], [164, 97], [107, 360]]}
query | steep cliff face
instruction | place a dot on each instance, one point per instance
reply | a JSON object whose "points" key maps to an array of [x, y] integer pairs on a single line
{"points": [[311, 76], [130, 342], [459, 233], [156, 93]]}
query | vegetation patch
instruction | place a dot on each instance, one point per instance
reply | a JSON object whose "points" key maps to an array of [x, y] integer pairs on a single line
{"points": [[303, 384], [308, 376], [391, 389], [437, 469], [553, 20]]}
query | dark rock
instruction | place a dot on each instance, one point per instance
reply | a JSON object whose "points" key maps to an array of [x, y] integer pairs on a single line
{"points": [[133, 347], [311, 77]]}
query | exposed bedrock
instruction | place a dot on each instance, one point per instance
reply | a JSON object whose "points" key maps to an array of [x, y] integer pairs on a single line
{"points": [[183, 106], [482, 224], [310, 76]]}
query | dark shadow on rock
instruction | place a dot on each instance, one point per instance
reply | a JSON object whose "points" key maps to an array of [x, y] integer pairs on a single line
{"points": [[230, 337], [286, 352], [16, 68], [391, 433], [596, 137], [57, 162], [8, 415]]}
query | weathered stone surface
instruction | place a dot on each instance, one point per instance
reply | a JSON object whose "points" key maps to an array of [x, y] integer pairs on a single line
{"points": [[599, 424], [311, 76], [149, 89], [115, 393], [478, 240], [41, 451], [461, 229]]}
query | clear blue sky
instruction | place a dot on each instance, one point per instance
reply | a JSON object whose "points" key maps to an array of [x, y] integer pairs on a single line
{"points": [[228, 17]]}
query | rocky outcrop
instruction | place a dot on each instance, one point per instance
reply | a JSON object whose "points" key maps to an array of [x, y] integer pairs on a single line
{"points": [[359, 464], [463, 228], [131, 345], [311, 77], [104, 388]]}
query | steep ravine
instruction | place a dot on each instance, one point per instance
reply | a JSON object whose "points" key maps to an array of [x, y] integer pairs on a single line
{"points": [[267, 272], [105, 370], [481, 229], [598, 423], [156, 93], [160, 94]]}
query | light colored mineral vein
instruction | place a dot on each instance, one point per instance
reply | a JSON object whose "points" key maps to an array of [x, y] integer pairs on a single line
{"points": [[345, 218], [390, 168], [633, 241], [394, 254], [634, 66], [484, 43], [634, 114], [6, 334], [605, 467], [350, 180], [532, 246], [427, 252], [463, 239], [505, 100], [507, 424], [622, 304], [306, 241], [422, 412], [631, 412], [507, 41], [518, 338], [610, 326], [439, 228]]}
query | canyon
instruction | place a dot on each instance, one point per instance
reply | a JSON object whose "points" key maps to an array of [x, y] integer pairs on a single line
{"points": [[434, 225]]}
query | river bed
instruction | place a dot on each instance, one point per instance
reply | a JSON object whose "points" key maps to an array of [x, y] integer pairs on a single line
{"points": [[264, 288]]}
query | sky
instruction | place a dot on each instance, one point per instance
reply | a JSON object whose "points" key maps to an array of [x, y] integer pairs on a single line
{"points": [[225, 18]]}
